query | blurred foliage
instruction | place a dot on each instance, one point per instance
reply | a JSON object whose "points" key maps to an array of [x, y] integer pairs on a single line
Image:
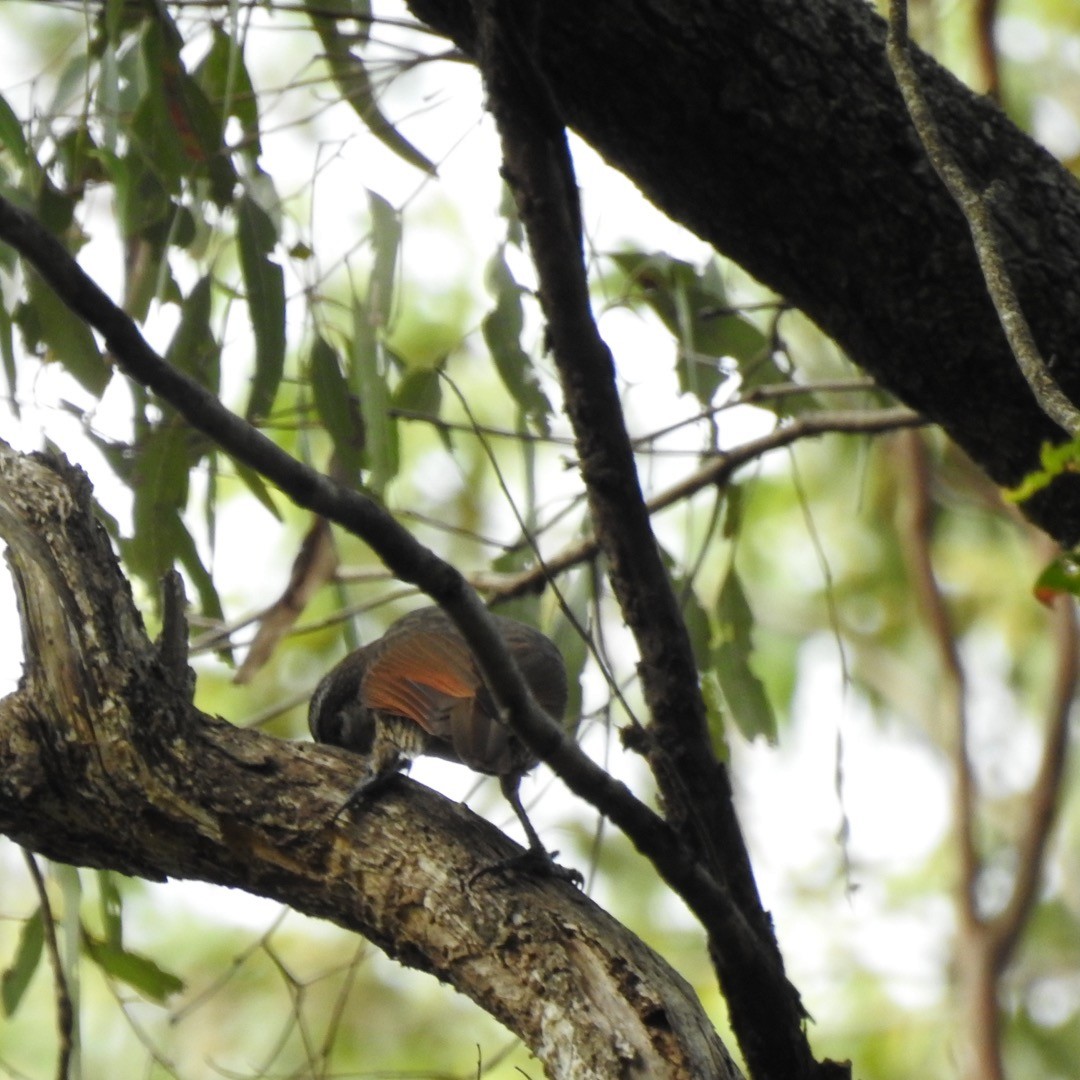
{"points": [[257, 184]]}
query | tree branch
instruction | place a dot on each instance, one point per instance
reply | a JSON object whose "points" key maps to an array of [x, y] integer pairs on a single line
{"points": [[104, 763]]}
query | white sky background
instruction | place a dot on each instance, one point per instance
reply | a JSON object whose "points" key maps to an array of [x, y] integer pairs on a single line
{"points": [[788, 797]]}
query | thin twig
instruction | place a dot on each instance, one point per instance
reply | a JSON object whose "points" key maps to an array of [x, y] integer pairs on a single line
{"points": [[717, 472], [1044, 798], [65, 1013], [976, 208]]}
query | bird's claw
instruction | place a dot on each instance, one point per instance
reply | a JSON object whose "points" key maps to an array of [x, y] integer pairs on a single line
{"points": [[536, 861]]}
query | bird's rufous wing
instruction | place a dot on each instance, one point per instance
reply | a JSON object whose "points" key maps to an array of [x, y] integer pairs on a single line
{"points": [[421, 674]]}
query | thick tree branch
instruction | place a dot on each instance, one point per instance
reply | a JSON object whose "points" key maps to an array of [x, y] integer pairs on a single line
{"points": [[104, 762]]}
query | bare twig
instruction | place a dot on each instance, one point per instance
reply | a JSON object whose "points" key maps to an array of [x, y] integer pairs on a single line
{"points": [[65, 1014], [717, 472], [1042, 803], [976, 208]]}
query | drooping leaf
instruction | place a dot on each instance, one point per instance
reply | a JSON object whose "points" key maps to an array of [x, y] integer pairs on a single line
{"points": [[264, 282], [386, 241], [177, 127], [694, 307], [368, 378], [744, 694], [12, 137], [337, 406], [257, 486], [224, 77], [194, 349], [353, 80], [16, 978], [44, 319], [160, 481], [7, 353], [111, 908], [139, 972], [502, 328]]}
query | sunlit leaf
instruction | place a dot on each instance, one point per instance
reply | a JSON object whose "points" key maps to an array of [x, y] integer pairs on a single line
{"points": [[354, 82], [368, 378], [12, 137], [139, 972], [16, 978], [264, 282], [744, 695], [386, 240], [337, 407], [46, 320]]}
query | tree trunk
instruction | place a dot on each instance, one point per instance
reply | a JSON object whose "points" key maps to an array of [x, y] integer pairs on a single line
{"points": [[775, 131]]}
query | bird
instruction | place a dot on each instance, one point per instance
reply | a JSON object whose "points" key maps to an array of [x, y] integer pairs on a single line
{"points": [[418, 690]]}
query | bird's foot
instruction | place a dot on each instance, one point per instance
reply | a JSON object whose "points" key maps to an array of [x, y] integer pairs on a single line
{"points": [[367, 789], [537, 861]]}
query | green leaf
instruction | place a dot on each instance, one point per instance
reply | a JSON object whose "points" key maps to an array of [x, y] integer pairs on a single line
{"points": [[713, 697], [12, 137], [1055, 460], [354, 83], [693, 305], [501, 328], [744, 695], [224, 77], [7, 353], [386, 240], [188, 555], [111, 908], [264, 282], [337, 407], [139, 972], [194, 349], [160, 482], [1062, 575], [257, 486], [368, 377], [16, 979], [44, 318]]}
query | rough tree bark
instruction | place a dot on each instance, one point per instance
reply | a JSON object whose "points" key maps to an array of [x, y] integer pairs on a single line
{"points": [[105, 762], [775, 131]]}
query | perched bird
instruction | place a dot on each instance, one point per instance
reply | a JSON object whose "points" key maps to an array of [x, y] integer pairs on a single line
{"points": [[417, 690]]}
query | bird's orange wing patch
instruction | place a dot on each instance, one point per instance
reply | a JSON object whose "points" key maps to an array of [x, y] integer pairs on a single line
{"points": [[420, 675]]}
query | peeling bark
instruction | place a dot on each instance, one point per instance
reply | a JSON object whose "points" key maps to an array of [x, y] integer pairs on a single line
{"points": [[105, 762]]}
